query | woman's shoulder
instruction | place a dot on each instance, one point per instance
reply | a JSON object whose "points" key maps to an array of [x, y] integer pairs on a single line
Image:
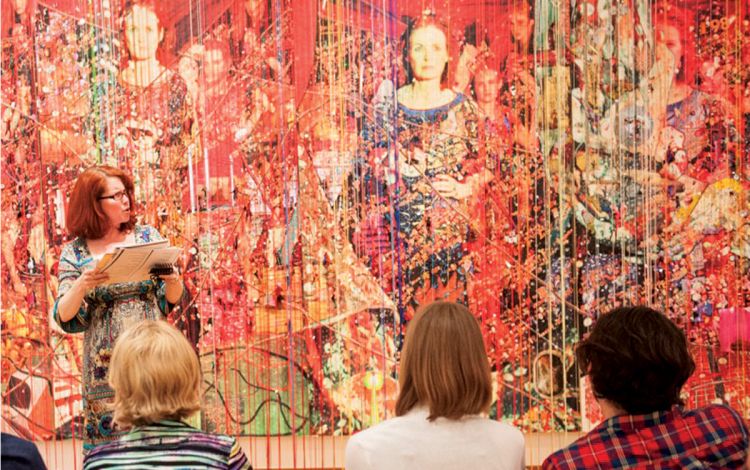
{"points": [[146, 234], [74, 243], [508, 441], [448, 100], [74, 248], [381, 431], [181, 430], [506, 432]]}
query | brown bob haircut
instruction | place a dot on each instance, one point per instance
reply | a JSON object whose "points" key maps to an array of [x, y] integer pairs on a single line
{"points": [[85, 217], [444, 365], [155, 374], [636, 358]]}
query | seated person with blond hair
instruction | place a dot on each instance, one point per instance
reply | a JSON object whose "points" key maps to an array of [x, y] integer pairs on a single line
{"points": [[446, 388], [637, 361], [155, 375]]}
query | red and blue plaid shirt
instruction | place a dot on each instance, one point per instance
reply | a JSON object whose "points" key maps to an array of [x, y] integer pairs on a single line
{"points": [[711, 437]]}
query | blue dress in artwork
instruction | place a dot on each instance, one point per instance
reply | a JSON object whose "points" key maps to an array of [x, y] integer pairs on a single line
{"points": [[430, 233], [105, 312]]}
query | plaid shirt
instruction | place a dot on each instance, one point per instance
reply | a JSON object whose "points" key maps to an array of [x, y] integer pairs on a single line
{"points": [[711, 437]]}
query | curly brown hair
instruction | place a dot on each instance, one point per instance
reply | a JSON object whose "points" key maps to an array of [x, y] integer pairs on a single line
{"points": [[636, 358]]}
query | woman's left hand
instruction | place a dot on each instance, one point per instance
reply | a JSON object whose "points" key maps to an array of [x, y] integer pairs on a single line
{"points": [[449, 187], [173, 285], [173, 278]]}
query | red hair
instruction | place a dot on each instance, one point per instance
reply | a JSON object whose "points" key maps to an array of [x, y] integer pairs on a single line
{"points": [[85, 217]]}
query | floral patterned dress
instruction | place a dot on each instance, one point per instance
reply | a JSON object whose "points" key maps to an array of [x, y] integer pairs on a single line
{"points": [[104, 314], [432, 232]]}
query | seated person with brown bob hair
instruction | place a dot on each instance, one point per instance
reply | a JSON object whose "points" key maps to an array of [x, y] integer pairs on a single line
{"points": [[156, 378], [637, 361], [446, 386]]}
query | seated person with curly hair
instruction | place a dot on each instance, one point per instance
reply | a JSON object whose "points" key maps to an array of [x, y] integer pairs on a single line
{"points": [[155, 375], [637, 361]]}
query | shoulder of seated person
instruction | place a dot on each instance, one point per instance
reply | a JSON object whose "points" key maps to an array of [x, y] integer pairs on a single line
{"points": [[509, 434], [717, 410]]}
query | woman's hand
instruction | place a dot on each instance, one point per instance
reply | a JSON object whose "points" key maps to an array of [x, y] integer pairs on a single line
{"points": [[89, 280], [69, 304], [173, 287], [172, 278], [449, 187]]}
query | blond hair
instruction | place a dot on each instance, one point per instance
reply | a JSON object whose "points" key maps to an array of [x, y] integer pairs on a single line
{"points": [[444, 365], [155, 375]]}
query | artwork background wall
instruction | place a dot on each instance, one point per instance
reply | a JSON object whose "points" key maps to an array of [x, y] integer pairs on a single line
{"points": [[611, 138]]}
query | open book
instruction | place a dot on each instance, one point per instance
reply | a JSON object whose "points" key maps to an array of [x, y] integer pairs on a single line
{"points": [[133, 263]]}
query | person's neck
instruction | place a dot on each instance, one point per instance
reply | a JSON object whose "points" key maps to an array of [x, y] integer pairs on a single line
{"points": [[678, 91], [488, 108], [114, 234], [143, 72], [609, 409], [425, 93]]}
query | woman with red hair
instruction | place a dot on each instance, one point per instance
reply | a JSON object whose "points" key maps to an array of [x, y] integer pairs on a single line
{"points": [[101, 216]]}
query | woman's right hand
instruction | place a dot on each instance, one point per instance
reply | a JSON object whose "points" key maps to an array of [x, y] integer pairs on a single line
{"points": [[90, 279], [70, 302]]}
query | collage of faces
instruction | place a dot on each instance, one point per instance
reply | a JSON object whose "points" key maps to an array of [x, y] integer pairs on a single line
{"points": [[327, 167]]}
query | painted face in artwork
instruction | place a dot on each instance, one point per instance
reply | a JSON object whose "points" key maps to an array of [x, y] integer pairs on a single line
{"points": [[670, 37], [115, 201], [521, 24], [142, 33], [428, 53], [215, 65], [20, 6], [188, 69], [486, 85], [255, 9]]}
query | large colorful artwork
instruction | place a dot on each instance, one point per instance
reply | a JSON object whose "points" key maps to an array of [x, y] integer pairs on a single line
{"points": [[329, 166]]}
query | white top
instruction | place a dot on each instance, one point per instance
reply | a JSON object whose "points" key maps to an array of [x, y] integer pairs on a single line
{"points": [[413, 442]]}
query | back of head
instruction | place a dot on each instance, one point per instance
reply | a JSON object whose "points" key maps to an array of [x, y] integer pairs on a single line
{"points": [[155, 374], [444, 365], [637, 359]]}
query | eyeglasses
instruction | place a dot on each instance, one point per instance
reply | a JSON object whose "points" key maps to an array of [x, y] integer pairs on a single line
{"points": [[118, 196]]}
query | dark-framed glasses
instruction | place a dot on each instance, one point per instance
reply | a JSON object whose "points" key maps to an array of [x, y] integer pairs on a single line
{"points": [[118, 196]]}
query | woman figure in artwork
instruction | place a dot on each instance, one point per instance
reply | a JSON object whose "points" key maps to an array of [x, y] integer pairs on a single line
{"points": [[435, 166], [101, 217], [152, 133], [519, 88], [706, 244], [155, 110], [696, 145]]}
